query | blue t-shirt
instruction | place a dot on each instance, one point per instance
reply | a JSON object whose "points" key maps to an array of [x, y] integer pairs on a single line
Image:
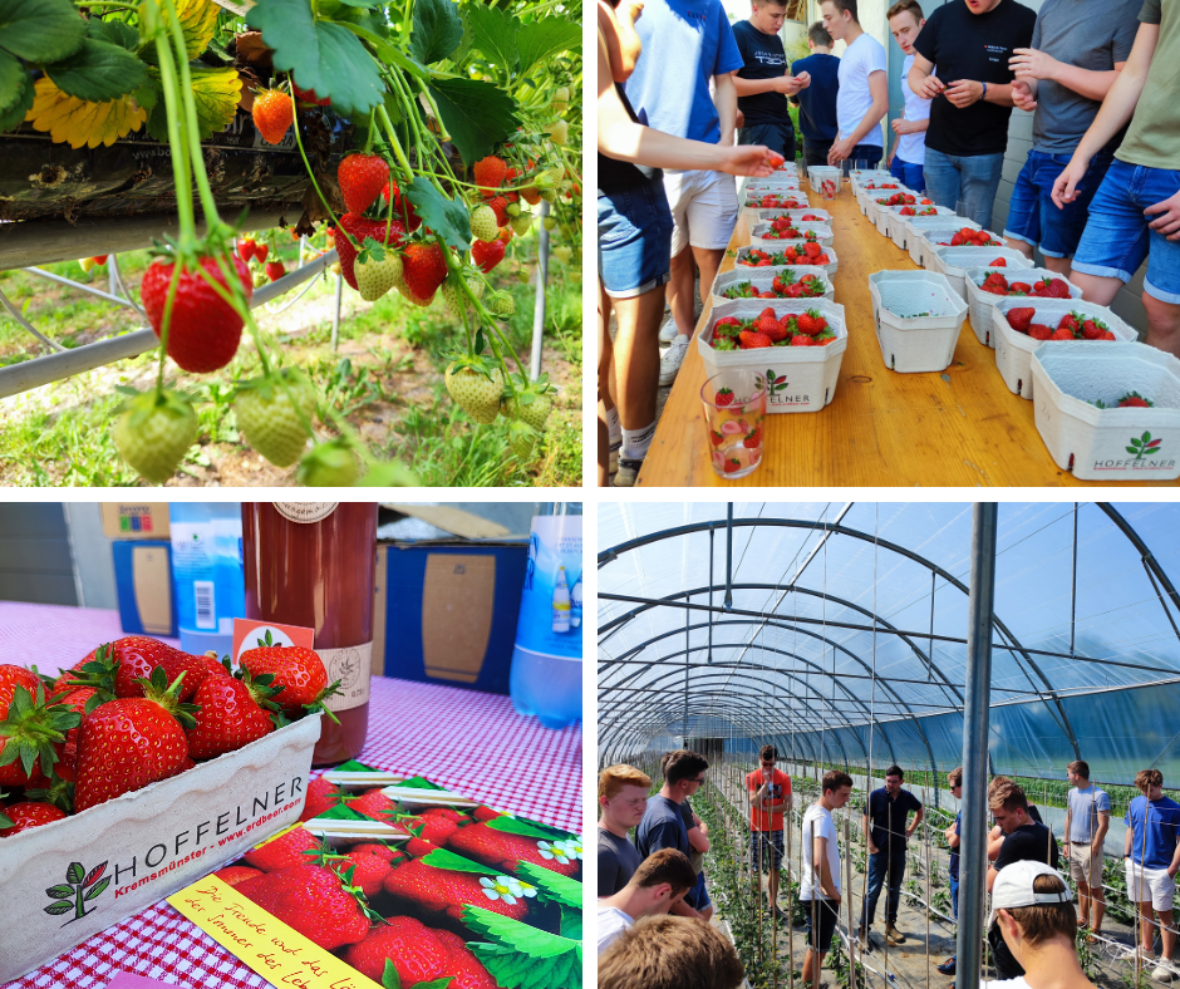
{"points": [[685, 44], [885, 813], [817, 103], [953, 867], [1163, 826], [663, 824]]}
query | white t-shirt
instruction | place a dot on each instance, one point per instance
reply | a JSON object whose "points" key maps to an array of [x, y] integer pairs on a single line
{"points": [[1017, 983], [912, 147], [861, 58], [611, 923], [817, 823]]}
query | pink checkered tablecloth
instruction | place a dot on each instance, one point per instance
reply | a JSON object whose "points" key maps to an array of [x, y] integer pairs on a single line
{"points": [[466, 740]]}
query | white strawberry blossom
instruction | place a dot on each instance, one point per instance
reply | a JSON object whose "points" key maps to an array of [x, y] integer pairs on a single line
{"points": [[554, 850], [503, 888]]}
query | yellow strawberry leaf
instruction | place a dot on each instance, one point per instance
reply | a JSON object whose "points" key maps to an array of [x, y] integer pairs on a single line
{"points": [[69, 119], [198, 21], [217, 93]]}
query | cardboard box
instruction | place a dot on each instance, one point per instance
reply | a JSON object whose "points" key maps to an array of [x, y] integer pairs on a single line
{"points": [[117, 859], [144, 586], [446, 612], [135, 520]]}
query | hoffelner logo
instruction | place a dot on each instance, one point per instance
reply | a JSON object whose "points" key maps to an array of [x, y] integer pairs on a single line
{"points": [[79, 889], [777, 384], [1144, 446]]}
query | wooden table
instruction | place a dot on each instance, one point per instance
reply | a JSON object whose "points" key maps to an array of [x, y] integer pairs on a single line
{"points": [[960, 427]]}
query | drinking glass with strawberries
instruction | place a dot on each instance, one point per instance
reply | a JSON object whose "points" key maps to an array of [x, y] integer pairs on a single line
{"points": [[735, 413]]}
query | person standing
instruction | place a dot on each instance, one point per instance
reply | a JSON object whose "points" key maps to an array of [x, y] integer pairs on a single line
{"points": [[770, 797], [1087, 819], [863, 97], [686, 45], [763, 83], [909, 144], [969, 44], [886, 825], [622, 799], [819, 886], [1135, 215], [1078, 49], [817, 103], [663, 823], [698, 841], [954, 838], [1152, 853]]}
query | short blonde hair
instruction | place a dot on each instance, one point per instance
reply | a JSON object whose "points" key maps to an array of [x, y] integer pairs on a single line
{"points": [[670, 953], [902, 6], [612, 779], [1003, 794]]}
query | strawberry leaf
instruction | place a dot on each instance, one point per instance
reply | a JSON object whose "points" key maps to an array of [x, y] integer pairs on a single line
{"points": [[446, 217], [493, 32], [75, 873], [553, 885], [571, 923], [47, 31], [440, 858], [58, 908], [516, 935], [389, 978], [59, 892], [477, 115], [97, 890], [438, 29], [442, 983], [529, 829], [23, 96], [98, 72]]}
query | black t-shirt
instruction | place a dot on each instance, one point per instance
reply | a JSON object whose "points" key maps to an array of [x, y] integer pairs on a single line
{"points": [[963, 45], [619, 176], [765, 59], [1030, 843], [885, 813]]}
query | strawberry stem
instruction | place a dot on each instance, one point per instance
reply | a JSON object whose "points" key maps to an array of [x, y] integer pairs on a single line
{"points": [[311, 175]]}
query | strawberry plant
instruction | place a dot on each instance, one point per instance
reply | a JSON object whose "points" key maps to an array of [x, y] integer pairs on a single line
{"points": [[462, 134]]}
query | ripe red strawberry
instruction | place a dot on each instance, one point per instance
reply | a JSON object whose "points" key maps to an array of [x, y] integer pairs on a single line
{"points": [[1092, 329], [246, 248], [1059, 288], [322, 796], [499, 206], [232, 875], [806, 323], [1039, 331], [299, 674], [802, 340], [445, 891], [1062, 333], [822, 259], [425, 269], [484, 814], [906, 211], [362, 177], [231, 715], [368, 871], [489, 174], [1134, 401], [1019, 319], [958, 240], [29, 814], [466, 971], [286, 851], [1069, 322], [126, 744], [487, 254], [723, 397], [11, 677], [403, 209], [999, 263], [205, 330], [275, 270], [751, 340], [771, 327], [373, 803], [273, 112], [361, 229], [812, 249], [505, 851], [310, 96], [1020, 288], [437, 823], [416, 952], [314, 901]]}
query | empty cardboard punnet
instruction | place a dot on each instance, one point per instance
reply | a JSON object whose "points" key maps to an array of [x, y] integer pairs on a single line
{"points": [[66, 881], [458, 598]]}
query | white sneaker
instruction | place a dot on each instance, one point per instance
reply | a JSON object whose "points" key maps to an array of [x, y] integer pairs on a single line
{"points": [[672, 359], [1163, 972], [627, 473], [669, 332]]}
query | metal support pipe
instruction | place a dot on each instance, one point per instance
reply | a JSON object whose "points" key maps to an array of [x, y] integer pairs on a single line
{"points": [[729, 557], [539, 310], [973, 859]]}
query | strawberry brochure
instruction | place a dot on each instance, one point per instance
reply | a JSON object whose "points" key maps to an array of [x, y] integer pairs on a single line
{"points": [[400, 886]]}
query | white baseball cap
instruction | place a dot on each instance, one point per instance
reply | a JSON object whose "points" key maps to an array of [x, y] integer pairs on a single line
{"points": [[1014, 888]]}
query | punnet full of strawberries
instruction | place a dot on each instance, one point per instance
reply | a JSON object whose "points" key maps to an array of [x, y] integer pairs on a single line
{"points": [[784, 286], [136, 711], [771, 201], [924, 211], [996, 283], [1072, 326], [970, 237], [810, 252], [809, 329]]}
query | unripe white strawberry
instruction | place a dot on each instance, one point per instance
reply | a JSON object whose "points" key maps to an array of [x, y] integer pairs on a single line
{"points": [[483, 223], [561, 99], [377, 270], [550, 222], [521, 224], [501, 304], [559, 133]]}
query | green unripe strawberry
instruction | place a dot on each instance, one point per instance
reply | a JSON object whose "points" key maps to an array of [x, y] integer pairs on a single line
{"points": [[154, 433], [377, 269], [501, 304], [328, 465], [522, 275], [475, 283], [524, 441], [521, 224], [546, 181], [550, 223], [563, 254], [550, 196], [476, 388], [453, 298], [512, 209], [483, 223], [559, 133], [561, 99], [529, 408], [271, 414]]}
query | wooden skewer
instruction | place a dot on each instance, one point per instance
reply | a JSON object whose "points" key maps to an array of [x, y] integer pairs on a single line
{"points": [[346, 777], [327, 827], [412, 795]]}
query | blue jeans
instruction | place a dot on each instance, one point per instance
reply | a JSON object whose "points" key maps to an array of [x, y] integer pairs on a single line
{"points": [[778, 136], [634, 240], [908, 174], [1033, 216], [951, 179], [698, 896], [880, 868], [872, 153], [1117, 236], [955, 895]]}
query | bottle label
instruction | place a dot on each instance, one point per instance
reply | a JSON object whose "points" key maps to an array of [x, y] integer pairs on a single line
{"points": [[352, 666], [555, 566], [305, 511]]}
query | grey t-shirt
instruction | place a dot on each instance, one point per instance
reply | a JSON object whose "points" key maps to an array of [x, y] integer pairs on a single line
{"points": [[1084, 808], [617, 861], [1090, 34]]}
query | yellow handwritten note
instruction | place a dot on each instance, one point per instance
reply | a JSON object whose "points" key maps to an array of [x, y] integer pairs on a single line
{"points": [[281, 955]]}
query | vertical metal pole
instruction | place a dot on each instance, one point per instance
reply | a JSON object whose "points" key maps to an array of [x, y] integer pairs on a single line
{"points": [[542, 279], [1073, 587], [729, 557], [973, 858], [336, 312]]}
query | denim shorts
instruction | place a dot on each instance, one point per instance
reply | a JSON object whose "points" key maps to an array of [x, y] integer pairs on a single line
{"points": [[698, 896], [872, 153], [1117, 236], [1033, 216], [908, 174], [766, 851], [634, 240]]}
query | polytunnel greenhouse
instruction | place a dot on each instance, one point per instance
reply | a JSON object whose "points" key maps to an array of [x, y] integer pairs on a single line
{"points": [[1011, 640]]}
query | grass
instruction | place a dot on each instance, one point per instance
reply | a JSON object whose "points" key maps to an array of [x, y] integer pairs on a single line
{"points": [[385, 378]]}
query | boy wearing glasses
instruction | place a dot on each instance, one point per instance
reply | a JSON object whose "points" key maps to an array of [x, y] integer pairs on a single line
{"points": [[770, 798], [663, 821]]}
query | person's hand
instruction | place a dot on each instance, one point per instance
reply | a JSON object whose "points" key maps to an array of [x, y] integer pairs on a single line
{"points": [[1028, 63], [788, 85], [1065, 188], [889, 159], [1171, 871], [1168, 223], [930, 87], [747, 159], [804, 79], [835, 900], [629, 11], [1022, 96], [739, 121], [964, 92], [901, 126], [872, 849], [840, 151]]}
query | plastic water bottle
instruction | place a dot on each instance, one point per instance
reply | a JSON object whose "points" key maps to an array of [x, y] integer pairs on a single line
{"points": [[207, 570], [576, 604], [546, 675]]}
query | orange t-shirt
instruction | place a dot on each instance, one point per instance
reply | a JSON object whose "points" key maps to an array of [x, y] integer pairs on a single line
{"points": [[780, 787]]}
